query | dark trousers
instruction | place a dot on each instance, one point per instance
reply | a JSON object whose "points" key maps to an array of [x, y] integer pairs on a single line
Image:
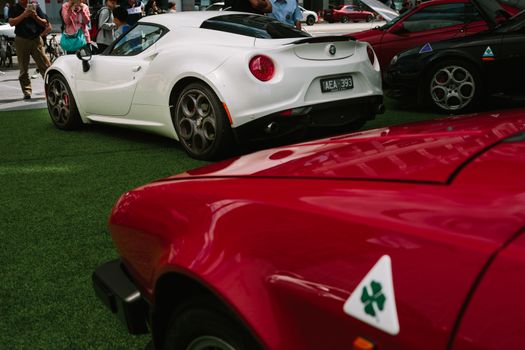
{"points": [[26, 48]]}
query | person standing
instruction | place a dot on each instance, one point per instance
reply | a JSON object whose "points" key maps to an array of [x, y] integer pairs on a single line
{"points": [[259, 7], [152, 8], [6, 10], [135, 11], [287, 12], [120, 17], [29, 22], [405, 7], [76, 16], [172, 7], [106, 26]]}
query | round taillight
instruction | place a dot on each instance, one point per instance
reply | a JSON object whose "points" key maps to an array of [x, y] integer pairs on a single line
{"points": [[371, 54], [262, 67]]}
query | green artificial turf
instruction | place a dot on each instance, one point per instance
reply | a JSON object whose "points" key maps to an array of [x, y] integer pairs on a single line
{"points": [[57, 189]]}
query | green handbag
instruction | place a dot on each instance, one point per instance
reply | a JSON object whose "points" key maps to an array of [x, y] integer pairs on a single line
{"points": [[73, 42]]}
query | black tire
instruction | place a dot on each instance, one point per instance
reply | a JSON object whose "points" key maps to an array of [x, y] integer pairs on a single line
{"points": [[205, 132], [369, 18], [452, 86], [202, 322], [310, 20], [61, 104], [344, 19]]}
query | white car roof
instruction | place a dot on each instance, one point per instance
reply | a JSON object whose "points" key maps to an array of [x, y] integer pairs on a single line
{"points": [[192, 19]]}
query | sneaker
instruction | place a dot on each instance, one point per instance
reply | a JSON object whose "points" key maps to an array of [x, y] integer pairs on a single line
{"points": [[27, 96]]}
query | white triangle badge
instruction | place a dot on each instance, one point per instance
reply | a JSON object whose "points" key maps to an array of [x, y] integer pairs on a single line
{"points": [[373, 301]]}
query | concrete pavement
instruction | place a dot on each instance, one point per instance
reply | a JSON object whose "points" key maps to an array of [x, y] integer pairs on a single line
{"points": [[11, 97]]}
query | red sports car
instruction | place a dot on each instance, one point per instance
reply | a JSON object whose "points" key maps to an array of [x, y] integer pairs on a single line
{"points": [[430, 21], [409, 237], [347, 13]]}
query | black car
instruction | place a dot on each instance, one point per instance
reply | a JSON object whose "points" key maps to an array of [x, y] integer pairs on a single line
{"points": [[455, 75]]}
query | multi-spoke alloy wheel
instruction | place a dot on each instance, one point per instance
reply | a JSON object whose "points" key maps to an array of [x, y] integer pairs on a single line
{"points": [[200, 122], [453, 86], [61, 104]]}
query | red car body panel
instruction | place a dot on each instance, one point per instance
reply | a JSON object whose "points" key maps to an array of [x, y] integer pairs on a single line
{"points": [[424, 152], [493, 299], [389, 42], [352, 13], [285, 240]]}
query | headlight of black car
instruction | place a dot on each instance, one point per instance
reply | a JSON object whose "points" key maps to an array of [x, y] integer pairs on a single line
{"points": [[394, 60]]}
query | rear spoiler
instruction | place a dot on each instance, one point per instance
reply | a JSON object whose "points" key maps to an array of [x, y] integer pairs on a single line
{"points": [[322, 39]]}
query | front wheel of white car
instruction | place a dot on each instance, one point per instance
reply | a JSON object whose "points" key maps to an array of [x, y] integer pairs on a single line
{"points": [[201, 123], [310, 20], [61, 104]]}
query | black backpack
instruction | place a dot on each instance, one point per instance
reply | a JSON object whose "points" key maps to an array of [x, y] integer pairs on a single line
{"points": [[94, 22]]}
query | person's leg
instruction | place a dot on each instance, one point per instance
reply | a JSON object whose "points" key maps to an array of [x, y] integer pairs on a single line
{"points": [[39, 55], [23, 50]]}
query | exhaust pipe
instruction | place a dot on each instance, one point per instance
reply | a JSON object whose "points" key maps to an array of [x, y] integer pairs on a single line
{"points": [[271, 128]]}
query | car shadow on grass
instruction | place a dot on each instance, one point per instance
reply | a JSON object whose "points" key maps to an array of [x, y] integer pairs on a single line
{"points": [[128, 134]]}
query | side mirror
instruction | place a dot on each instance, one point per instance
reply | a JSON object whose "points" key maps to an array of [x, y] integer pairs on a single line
{"points": [[398, 29], [84, 54]]}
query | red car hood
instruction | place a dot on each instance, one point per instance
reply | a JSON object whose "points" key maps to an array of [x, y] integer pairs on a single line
{"points": [[422, 152]]}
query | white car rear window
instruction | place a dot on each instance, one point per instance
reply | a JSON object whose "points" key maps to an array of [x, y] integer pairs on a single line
{"points": [[253, 25]]}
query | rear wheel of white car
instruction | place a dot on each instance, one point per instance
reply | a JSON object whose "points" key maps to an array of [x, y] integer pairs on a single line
{"points": [[310, 20], [61, 104], [203, 325], [452, 86], [201, 123]]}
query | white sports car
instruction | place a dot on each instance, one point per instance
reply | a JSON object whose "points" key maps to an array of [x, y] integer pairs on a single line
{"points": [[7, 30], [309, 17], [213, 79]]}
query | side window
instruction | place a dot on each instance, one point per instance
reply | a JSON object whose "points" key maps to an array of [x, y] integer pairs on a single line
{"points": [[471, 13], [435, 17], [138, 39]]}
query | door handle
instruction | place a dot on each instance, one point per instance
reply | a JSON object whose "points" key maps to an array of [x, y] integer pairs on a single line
{"points": [[136, 68]]}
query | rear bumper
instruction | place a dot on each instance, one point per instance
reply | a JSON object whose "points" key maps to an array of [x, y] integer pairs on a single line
{"points": [[121, 296], [329, 114]]}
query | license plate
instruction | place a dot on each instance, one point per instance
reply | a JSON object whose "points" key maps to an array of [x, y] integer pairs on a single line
{"points": [[337, 84]]}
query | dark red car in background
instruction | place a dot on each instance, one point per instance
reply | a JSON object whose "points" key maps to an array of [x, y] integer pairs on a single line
{"points": [[408, 237], [431, 21], [347, 13]]}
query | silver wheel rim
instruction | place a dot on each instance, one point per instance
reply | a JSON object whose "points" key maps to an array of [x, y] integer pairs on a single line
{"points": [[196, 121], [452, 88], [58, 101], [209, 343]]}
